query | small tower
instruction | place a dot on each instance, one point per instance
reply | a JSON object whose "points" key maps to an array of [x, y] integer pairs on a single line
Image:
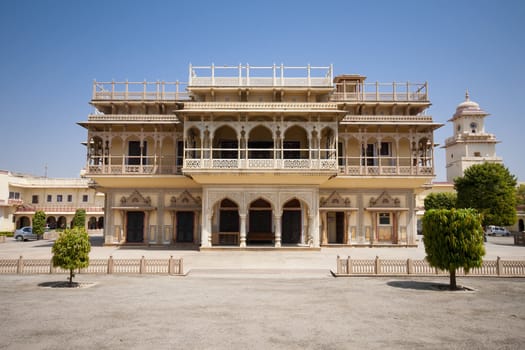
{"points": [[470, 143]]}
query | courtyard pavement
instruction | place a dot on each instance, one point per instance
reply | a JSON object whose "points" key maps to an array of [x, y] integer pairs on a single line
{"points": [[259, 300]]}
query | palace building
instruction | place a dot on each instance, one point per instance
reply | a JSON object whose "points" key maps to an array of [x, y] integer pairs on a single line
{"points": [[273, 156]]}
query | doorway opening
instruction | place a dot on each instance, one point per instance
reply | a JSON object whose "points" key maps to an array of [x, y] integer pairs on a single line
{"points": [[135, 227]]}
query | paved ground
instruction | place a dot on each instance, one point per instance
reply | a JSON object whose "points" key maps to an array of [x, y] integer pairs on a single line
{"points": [[261, 311], [260, 300]]}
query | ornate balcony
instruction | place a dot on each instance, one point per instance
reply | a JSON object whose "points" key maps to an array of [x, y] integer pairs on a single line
{"points": [[140, 91]]}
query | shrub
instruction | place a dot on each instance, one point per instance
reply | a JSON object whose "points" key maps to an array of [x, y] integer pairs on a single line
{"points": [[453, 239], [71, 250]]}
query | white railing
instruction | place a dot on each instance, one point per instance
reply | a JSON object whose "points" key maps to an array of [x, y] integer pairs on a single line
{"points": [[385, 166], [400, 267], [147, 165], [387, 118], [271, 76], [23, 266], [155, 91], [137, 118], [357, 91], [260, 106]]}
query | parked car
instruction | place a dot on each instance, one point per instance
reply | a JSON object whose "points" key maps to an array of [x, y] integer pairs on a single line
{"points": [[24, 233], [492, 230]]}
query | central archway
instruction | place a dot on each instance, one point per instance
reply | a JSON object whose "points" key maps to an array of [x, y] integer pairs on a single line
{"points": [[260, 222]]}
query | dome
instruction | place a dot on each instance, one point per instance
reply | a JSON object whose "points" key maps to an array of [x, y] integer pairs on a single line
{"points": [[467, 104]]}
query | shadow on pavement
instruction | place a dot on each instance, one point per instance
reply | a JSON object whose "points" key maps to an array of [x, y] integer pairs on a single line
{"points": [[432, 286]]}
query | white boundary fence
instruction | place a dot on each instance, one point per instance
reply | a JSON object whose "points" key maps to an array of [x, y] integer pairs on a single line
{"points": [[421, 267], [23, 266]]}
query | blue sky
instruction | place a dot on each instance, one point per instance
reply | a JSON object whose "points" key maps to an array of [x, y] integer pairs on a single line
{"points": [[53, 50]]}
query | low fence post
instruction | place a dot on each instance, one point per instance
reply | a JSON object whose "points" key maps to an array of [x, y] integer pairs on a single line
{"points": [[110, 265], [377, 266], [142, 265], [499, 266], [170, 265], [349, 266], [51, 267], [20, 267], [181, 266], [410, 266], [339, 267]]}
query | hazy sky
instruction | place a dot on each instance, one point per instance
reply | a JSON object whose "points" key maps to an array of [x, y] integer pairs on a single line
{"points": [[51, 51]]}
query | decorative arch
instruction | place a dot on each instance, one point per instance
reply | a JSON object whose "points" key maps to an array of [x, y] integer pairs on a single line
{"points": [[295, 142]]}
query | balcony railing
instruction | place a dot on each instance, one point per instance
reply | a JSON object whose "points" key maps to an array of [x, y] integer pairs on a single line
{"points": [[261, 106], [133, 118], [385, 166], [402, 92], [141, 91], [268, 159]]}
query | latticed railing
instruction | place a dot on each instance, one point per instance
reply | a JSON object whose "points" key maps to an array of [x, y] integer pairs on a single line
{"points": [[399, 267], [96, 266]]}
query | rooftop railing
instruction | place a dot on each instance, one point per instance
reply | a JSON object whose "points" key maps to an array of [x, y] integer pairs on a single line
{"points": [[140, 91], [356, 91], [265, 76]]}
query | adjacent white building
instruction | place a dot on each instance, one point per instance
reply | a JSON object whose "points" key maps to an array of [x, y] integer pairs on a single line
{"points": [[21, 195]]}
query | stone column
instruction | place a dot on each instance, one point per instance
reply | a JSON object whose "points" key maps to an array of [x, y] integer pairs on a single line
{"points": [[206, 230], [324, 225], [242, 228], [311, 227], [348, 214], [277, 231]]}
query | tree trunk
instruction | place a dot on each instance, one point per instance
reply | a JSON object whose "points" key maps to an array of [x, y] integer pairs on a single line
{"points": [[453, 285]]}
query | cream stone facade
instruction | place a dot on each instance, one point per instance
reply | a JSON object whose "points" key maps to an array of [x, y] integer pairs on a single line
{"points": [[274, 156], [21, 195]]}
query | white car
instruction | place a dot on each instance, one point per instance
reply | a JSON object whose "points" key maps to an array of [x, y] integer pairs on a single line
{"points": [[497, 231], [24, 233]]}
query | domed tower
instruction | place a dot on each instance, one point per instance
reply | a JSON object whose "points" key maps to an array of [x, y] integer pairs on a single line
{"points": [[470, 143]]}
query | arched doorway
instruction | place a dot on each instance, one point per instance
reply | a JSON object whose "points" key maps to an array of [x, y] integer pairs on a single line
{"points": [[291, 222], [100, 224], [260, 222], [51, 222], [62, 222], [521, 227], [228, 222], [24, 221], [92, 223]]}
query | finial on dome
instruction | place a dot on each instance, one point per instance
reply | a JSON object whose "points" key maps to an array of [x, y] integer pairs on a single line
{"points": [[467, 96]]}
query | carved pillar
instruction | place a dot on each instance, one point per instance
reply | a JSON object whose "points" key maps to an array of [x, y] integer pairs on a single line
{"points": [[348, 232], [373, 234], [242, 227], [324, 225], [206, 229], [395, 228], [145, 238], [277, 231], [174, 223], [311, 226]]}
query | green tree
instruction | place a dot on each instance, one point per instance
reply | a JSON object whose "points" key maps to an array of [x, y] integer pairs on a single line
{"points": [[79, 220], [491, 189], [71, 250], [453, 239], [440, 200], [520, 195], [39, 223]]}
